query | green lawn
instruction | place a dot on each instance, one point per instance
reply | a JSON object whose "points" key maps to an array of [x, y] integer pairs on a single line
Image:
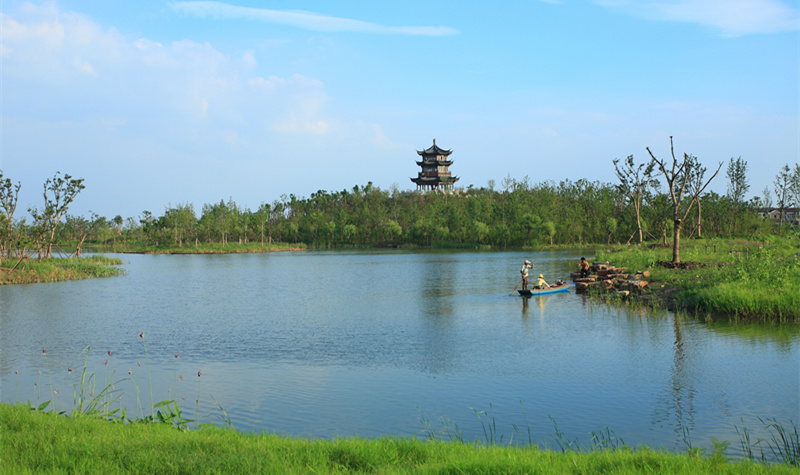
{"points": [[43, 442]]}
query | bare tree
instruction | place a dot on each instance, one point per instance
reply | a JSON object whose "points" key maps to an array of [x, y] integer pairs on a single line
{"points": [[634, 184], [678, 177], [694, 182]]}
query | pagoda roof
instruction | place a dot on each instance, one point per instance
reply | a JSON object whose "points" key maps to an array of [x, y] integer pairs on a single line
{"points": [[427, 180], [434, 150], [438, 162]]}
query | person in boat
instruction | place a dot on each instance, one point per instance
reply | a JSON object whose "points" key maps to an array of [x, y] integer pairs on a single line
{"points": [[526, 266], [541, 283], [583, 267]]}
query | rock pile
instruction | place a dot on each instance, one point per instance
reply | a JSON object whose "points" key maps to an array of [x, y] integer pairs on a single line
{"points": [[604, 277]]}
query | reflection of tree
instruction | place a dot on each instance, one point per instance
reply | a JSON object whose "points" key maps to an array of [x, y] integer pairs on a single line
{"points": [[436, 290], [679, 405]]}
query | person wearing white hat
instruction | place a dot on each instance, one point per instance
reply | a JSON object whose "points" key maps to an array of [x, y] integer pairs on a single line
{"points": [[526, 266]]}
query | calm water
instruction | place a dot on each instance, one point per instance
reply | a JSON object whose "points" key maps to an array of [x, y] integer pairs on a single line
{"points": [[329, 344]]}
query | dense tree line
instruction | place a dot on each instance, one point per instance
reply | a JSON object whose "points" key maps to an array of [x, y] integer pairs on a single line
{"points": [[518, 214]]}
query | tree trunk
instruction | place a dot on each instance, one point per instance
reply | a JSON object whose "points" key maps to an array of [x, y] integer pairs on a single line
{"points": [[78, 247], [638, 223], [676, 241], [699, 220]]}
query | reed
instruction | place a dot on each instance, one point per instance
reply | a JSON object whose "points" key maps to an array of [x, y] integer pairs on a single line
{"points": [[88, 403], [564, 443], [783, 443], [197, 401], [149, 379], [451, 431]]}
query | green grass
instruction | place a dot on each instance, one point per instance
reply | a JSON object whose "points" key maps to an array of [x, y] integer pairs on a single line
{"points": [[57, 269], [741, 280], [38, 442]]}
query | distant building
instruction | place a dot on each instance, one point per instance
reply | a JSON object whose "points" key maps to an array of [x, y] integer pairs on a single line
{"points": [[790, 215], [435, 174]]}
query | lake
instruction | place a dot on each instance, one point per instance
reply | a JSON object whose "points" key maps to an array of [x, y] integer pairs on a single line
{"points": [[369, 343]]}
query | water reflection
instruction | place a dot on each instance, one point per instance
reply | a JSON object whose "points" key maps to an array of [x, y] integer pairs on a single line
{"points": [[538, 304], [681, 405]]}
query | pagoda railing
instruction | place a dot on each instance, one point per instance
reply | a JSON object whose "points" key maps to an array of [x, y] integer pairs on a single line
{"points": [[435, 173]]}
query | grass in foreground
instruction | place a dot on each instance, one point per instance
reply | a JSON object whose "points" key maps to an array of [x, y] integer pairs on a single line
{"points": [[37, 442], [743, 280], [33, 270]]}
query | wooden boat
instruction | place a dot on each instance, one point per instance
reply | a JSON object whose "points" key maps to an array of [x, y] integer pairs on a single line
{"points": [[552, 290]]}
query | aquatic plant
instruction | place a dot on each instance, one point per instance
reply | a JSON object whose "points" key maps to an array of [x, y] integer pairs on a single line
{"points": [[88, 403]]}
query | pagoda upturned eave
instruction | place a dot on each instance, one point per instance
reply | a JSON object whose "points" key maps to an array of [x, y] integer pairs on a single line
{"points": [[434, 150]]}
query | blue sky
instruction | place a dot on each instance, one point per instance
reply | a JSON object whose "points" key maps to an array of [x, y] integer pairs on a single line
{"points": [[156, 103]]}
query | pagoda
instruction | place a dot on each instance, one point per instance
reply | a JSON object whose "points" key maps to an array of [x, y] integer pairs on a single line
{"points": [[435, 174]]}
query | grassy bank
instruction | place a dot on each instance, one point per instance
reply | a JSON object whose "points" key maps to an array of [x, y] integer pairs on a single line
{"points": [[755, 281], [207, 248], [37, 442], [29, 271]]}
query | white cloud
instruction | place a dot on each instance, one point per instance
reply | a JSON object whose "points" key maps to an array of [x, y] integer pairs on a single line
{"points": [[302, 19], [83, 66], [249, 60], [186, 89], [45, 43], [550, 132], [729, 17]]}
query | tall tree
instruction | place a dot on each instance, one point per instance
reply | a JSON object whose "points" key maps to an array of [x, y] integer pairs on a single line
{"points": [[678, 176], [767, 197], [737, 179], [737, 188], [9, 194], [635, 181], [59, 193], [794, 185], [181, 220], [782, 191]]}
